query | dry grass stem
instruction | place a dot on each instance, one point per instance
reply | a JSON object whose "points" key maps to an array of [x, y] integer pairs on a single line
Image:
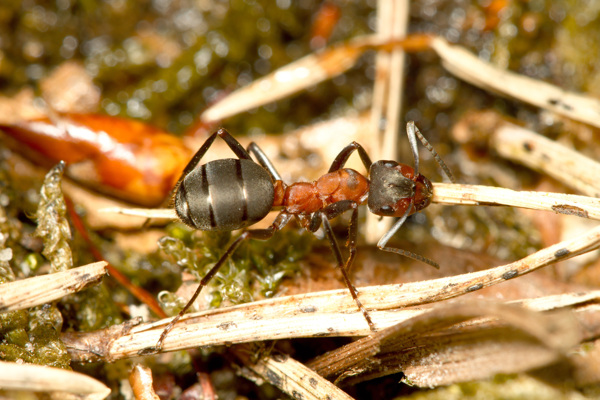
{"points": [[392, 24], [289, 375], [447, 327], [529, 148], [467, 66], [43, 289], [292, 78], [327, 313], [60, 383], [455, 194], [164, 213], [332, 61]]}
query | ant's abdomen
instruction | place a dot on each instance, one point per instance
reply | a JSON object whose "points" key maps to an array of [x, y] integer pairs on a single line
{"points": [[225, 195]]}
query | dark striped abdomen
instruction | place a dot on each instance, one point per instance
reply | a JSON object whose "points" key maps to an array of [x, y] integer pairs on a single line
{"points": [[225, 195]]}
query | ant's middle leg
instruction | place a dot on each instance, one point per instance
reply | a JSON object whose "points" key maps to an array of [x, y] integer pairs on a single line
{"points": [[261, 234], [334, 210], [340, 264]]}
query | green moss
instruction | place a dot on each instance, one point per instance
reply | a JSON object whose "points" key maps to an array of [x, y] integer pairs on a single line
{"points": [[254, 271], [33, 336], [52, 224]]}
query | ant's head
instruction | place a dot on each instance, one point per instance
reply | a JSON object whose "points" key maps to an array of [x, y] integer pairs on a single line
{"points": [[394, 187]]}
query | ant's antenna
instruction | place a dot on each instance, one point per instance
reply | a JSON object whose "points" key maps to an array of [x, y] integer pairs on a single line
{"points": [[411, 131]]}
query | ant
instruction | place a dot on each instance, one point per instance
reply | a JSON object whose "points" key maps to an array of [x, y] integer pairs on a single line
{"points": [[234, 193]]}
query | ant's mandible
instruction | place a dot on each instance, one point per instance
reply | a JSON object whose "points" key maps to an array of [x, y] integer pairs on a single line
{"points": [[234, 193]]}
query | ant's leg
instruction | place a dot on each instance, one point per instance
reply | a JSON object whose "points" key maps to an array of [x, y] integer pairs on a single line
{"points": [[264, 160], [385, 238], [343, 156], [411, 131], [260, 234], [340, 264], [233, 144], [334, 210]]}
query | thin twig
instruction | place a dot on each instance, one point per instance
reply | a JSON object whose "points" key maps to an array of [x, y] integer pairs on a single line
{"points": [[59, 382], [392, 24], [44, 289], [457, 194], [289, 375], [569, 204], [467, 66], [566, 165]]}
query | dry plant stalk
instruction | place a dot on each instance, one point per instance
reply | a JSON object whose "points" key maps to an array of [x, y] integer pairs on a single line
{"points": [[468, 67], [458, 194], [289, 375], [335, 60], [542, 154], [304, 73], [568, 204], [392, 24], [327, 313], [60, 383], [472, 340], [44, 289]]}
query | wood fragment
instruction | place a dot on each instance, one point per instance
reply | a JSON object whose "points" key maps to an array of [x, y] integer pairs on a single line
{"points": [[373, 355], [43, 289], [289, 375], [533, 150], [468, 67], [61, 383]]}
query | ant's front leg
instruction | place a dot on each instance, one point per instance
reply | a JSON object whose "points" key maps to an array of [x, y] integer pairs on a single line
{"points": [[388, 235], [346, 152]]}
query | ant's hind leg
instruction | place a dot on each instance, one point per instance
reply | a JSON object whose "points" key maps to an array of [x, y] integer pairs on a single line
{"points": [[261, 234], [233, 144], [263, 160]]}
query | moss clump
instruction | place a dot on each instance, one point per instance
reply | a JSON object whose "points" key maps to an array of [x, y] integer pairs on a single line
{"points": [[53, 226], [255, 270]]}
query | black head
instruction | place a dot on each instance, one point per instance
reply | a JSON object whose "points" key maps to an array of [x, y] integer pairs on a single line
{"points": [[394, 187]]}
